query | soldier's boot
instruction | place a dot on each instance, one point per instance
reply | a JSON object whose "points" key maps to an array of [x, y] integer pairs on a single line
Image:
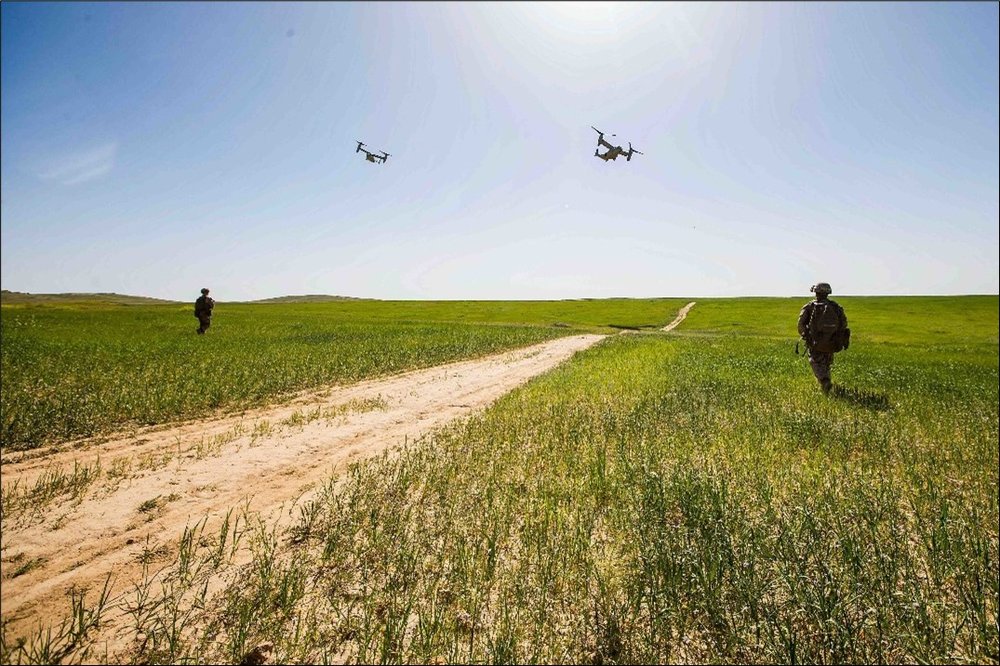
{"points": [[826, 385]]}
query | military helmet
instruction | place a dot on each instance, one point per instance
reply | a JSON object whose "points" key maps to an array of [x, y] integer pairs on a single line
{"points": [[821, 288], [204, 290]]}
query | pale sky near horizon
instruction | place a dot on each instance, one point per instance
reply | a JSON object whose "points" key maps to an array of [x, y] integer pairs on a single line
{"points": [[152, 149]]}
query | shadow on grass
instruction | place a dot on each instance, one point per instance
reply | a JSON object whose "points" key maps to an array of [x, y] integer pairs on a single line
{"points": [[878, 402]]}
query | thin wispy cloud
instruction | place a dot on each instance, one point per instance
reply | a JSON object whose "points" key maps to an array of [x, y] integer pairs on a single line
{"points": [[82, 166]]}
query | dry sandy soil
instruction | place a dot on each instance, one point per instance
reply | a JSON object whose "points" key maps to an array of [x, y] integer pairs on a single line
{"points": [[155, 482], [683, 312]]}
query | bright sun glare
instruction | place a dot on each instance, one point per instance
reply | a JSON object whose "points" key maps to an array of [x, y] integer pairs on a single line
{"points": [[578, 14], [677, 31]]}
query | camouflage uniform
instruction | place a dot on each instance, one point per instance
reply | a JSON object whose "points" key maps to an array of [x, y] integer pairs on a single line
{"points": [[203, 311], [820, 362]]}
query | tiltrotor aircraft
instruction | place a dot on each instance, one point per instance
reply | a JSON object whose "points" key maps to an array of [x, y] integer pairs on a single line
{"points": [[613, 151], [372, 157]]}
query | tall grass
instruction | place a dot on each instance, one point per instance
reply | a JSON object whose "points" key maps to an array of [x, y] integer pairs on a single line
{"points": [[691, 500]]}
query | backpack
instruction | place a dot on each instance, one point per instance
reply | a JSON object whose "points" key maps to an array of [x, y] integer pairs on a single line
{"points": [[203, 306], [825, 333]]}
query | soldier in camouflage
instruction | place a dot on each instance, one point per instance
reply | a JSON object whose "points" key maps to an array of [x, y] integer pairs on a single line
{"points": [[203, 311], [822, 344]]}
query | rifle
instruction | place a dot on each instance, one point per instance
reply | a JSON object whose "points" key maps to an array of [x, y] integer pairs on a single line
{"points": [[797, 345]]}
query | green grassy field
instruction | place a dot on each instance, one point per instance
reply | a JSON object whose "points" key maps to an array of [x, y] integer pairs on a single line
{"points": [[86, 368], [687, 498], [683, 497]]}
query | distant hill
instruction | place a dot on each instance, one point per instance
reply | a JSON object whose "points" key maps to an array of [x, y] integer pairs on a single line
{"points": [[17, 297], [307, 298]]}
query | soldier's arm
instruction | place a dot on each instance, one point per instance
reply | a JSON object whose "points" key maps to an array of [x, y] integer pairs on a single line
{"points": [[804, 319]]}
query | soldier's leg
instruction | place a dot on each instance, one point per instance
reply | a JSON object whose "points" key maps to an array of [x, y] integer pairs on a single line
{"points": [[820, 363], [828, 383]]}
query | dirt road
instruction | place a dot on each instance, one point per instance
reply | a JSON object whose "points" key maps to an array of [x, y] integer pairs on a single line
{"points": [[153, 484], [681, 314]]}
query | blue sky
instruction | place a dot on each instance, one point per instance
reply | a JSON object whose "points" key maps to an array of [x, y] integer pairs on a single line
{"points": [[153, 149]]}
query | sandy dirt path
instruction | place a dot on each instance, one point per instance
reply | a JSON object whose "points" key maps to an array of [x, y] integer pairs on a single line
{"points": [[683, 312], [269, 459]]}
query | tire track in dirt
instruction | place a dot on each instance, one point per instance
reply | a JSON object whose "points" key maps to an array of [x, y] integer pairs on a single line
{"points": [[113, 527]]}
